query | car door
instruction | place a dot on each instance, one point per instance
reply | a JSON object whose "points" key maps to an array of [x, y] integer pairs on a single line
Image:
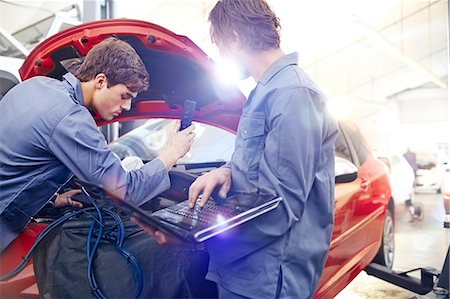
{"points": [[349, 236], [371, 202]]}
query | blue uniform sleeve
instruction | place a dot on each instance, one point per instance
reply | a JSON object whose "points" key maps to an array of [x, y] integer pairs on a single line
{"points": [[79, 145], [295, 138], [287, 168]]}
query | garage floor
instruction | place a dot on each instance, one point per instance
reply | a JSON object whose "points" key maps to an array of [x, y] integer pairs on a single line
{"points": [[418, 244]]}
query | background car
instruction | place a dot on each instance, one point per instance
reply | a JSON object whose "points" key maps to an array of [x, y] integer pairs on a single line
{"points": [[364, 209], [31, 35], [430, 170], [15, 47], [12, 55]]}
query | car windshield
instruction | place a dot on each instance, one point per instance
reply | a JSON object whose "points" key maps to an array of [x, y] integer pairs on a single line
{"points": [[32, 34], [8, 49], [147, 141]]}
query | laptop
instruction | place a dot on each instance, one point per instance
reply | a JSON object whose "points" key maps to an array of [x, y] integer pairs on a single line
{"points": [[199, 224]]}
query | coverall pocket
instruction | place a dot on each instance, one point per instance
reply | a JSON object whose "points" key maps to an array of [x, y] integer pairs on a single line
{"points": [[252, 126], [242, 276], [252, 133], [246, 273]]}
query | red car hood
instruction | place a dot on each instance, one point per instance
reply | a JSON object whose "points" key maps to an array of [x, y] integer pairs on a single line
{"points": [[179, 70]]}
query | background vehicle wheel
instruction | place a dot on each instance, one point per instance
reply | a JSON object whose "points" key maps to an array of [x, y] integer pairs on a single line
{"points": [[417, 211], [385, 255]]}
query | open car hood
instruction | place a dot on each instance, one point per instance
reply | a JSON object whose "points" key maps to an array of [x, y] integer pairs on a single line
{"points": [[178, 69]]}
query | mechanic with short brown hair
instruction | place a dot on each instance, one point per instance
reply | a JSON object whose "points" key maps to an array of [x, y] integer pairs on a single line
{"points": [[48, 134]]}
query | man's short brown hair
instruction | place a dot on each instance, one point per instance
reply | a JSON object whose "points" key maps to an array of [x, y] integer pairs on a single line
{"points": [[253, 20], [118, 61]]}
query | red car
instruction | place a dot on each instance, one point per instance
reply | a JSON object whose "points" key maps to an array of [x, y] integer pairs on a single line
{"points": [[179, 70]]}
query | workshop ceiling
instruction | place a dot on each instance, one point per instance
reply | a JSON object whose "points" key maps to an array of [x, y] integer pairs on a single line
{"points": [[363, 52]]}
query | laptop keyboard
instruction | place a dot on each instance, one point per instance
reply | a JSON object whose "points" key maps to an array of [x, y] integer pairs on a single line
{"points": [[208, 214]]}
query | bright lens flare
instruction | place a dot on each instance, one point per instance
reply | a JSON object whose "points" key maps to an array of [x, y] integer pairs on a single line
{"points": [[220, 219], [228, 72]]}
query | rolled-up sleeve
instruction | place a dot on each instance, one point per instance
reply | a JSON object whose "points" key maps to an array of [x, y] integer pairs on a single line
{"points": [[78, 144]]}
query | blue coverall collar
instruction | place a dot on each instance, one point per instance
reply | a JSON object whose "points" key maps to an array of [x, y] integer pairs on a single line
{"points": [[74, 88], [278, 65]]}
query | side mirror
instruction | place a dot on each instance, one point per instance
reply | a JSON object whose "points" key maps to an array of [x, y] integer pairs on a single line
{"points": [[345, 171]]}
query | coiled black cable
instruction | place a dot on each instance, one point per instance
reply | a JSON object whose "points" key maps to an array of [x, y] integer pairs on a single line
{"points": [[90, 250]]}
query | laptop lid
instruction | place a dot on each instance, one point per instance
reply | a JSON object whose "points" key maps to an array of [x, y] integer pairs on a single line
{"points": [[198, 224], [214, 218]]}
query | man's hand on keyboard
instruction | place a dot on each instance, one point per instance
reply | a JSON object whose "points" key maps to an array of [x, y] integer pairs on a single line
{"points": [[206, 184]]}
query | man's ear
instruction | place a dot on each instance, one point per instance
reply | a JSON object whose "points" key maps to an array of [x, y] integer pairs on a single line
{"points": [[236, 40], [100, 81]]}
